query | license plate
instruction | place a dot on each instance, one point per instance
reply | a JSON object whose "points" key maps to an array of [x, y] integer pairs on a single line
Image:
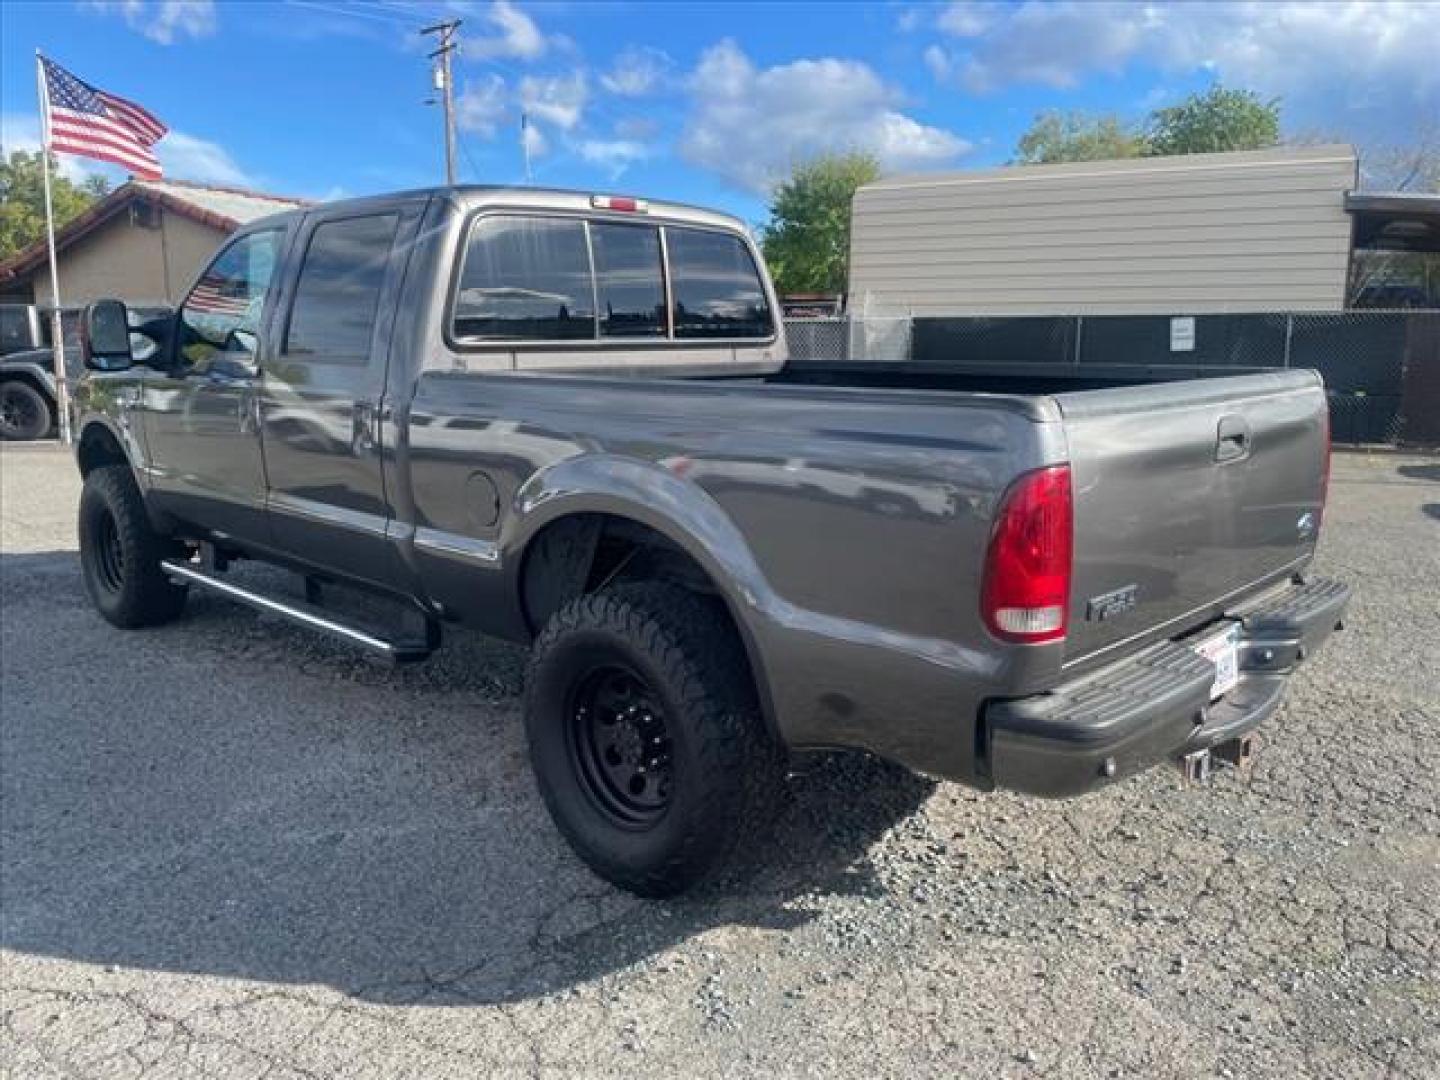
{"points": [[1220, 650]]}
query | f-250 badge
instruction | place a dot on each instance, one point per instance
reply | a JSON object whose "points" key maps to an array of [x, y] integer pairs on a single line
{"points": [[1111, 604]]}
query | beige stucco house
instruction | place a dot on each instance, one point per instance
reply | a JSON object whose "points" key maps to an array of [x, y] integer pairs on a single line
{"points": [[144, 243]]}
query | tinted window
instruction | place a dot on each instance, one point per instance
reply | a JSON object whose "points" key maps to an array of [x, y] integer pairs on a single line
{"points": [[219, 323], [339, 289], [718, 292], [69, 327], [15, 331], [527, 279], [630, 280]]}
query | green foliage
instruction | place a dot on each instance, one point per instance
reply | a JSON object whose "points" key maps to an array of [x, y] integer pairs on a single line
{"points": [[807, 243], [1072, 136], [1213, 122], [22, 200]]}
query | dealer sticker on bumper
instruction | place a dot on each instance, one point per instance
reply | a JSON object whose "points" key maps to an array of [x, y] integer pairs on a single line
{"points": [[1221, 651]]}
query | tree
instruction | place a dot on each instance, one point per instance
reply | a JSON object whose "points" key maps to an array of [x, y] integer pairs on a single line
{"points": [[1412, 166], [22, 200], [1214, 121], [1071, 136], [1217, 119], [807, 242]]}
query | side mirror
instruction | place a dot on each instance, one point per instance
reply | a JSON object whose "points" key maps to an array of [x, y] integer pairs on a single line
{"points": [[105, 336]]}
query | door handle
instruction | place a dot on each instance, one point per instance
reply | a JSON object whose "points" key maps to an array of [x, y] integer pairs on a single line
{"points": [[362, 428], [1232, 439]]}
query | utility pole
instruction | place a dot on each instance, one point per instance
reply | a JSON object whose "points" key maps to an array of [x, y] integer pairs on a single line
{"points": [[445, 85]]}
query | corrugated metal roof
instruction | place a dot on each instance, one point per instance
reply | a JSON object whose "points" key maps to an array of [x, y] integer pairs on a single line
{"points": [[236, 204]]}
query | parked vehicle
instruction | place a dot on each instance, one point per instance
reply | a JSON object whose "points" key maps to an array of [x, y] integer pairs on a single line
{"points": [[27, 365], [568, 420]]}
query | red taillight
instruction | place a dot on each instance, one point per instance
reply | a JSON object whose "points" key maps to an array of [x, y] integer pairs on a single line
{"points": [[1025, 595], [620, 202]]}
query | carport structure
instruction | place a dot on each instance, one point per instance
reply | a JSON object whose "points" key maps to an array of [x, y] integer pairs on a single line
{"points": [[1395, 263], [1394, 249]]}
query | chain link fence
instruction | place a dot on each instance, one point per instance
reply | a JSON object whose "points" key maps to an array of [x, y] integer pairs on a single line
{"points": [[1381, 368], [872, 339]]}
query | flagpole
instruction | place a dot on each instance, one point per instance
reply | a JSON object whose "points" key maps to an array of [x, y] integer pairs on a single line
{"points": [[57, 334], [525, 144]]}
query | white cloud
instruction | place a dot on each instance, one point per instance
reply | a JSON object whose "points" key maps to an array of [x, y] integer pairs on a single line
{"points": [[752, 124], [968, 19], [164, 21], [1051, 44], [516, 35], [1351, 66], [636, 72], [911, 19], [613, 155], [556, 99], [187, 157], [483, 106], [533, 140]]}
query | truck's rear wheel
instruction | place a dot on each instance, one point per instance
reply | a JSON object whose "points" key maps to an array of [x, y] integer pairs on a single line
{"points": [[24, 412], [645, 735], [120, 553]]}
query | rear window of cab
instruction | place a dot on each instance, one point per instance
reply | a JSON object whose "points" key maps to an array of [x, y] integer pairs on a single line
{"points": [[530, 277]]}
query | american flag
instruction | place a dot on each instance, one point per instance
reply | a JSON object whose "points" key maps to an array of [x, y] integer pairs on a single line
{"points": [[218, 295], [89, 122]]}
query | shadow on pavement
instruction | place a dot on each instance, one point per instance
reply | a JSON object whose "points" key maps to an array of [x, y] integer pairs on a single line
{"points": [[1419, 472], [1431, 510], [225, 797]]}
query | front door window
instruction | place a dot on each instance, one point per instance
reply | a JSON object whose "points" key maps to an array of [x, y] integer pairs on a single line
{"points": [[219, 323]]}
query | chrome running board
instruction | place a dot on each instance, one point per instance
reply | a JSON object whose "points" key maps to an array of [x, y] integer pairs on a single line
{"points": [[399, 651]]}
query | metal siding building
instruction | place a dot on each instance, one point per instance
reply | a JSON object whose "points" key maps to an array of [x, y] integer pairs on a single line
{"points": [[1253, 231]]}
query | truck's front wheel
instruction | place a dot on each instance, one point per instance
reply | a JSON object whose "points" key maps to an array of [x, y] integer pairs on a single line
{"points": [[120, 553], [645, 735]]}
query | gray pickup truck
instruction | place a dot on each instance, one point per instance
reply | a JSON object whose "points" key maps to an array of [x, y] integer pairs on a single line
{"points": [[568, 420]]}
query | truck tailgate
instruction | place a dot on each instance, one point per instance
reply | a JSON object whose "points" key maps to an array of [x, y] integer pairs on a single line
{"points": [[1188, 495]]}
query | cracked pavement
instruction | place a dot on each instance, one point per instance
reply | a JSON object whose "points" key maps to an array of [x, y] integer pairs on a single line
{"points": [[235, 849]]}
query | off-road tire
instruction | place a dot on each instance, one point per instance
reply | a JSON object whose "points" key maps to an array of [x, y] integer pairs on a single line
{"points": [[25, 413], [725, 770], [120, 553]]}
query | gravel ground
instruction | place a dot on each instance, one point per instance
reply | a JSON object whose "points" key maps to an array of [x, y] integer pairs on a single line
{"points": [[235, 849]]}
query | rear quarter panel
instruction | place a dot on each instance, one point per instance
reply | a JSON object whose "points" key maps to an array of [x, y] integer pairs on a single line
{"points": [[846, 529]]}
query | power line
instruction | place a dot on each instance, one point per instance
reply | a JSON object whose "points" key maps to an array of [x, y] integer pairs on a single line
{"points": [[348, 11]]}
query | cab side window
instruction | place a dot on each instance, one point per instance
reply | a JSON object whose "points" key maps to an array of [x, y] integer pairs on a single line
{"points": [[717, 286], [526, 279], [219, 323], [338, 292]]}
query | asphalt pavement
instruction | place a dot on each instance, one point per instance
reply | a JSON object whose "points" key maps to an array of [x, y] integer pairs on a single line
{"points": [[231, 848]]}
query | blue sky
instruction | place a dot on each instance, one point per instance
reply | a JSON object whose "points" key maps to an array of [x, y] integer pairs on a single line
{"points": [[703, 102]]}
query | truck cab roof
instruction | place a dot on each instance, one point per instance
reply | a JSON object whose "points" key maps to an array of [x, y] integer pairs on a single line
{"points": [[475, 196]]}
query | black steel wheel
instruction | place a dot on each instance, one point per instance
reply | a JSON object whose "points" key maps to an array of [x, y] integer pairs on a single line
{"points": [[109, 553], [24, 412], [646, 736], [120, 553], [621, 746]]}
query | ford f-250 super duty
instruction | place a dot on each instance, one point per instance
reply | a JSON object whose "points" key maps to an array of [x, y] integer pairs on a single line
{"points": [[568, 420]]}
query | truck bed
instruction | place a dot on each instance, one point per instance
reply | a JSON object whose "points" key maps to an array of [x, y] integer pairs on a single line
{"points": [[1157, 510]]}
